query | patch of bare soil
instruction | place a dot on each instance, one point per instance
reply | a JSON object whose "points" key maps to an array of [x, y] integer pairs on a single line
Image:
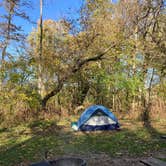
{"points": [[106, 160]]}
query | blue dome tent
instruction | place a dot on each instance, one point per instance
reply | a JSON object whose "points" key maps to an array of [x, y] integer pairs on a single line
{"points": [[96, 117]]}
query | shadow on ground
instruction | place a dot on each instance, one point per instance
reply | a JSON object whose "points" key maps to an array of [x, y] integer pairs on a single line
{"points": [[95, 147]]}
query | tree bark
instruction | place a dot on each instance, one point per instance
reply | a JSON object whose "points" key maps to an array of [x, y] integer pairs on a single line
{"points": [[147, 103], [80, 93], [41, 86]]}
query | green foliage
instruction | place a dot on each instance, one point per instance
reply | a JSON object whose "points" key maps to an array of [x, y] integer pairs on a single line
{"points": [[16, 104]]}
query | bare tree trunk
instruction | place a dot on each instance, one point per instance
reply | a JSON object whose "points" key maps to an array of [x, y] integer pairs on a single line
{"points": [[147, 104], [41, 86], [3, 65], [113, 102], [135, 53], [6, 43]]}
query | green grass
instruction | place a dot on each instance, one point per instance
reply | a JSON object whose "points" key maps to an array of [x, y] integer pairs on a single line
{"points": [[27, 143]]}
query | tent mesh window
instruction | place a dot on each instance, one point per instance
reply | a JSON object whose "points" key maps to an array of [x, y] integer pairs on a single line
{"points": [[98, 113]]}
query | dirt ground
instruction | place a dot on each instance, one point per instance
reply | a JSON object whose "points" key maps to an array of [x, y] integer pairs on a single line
{"points": [[106, 160], [116, 162]]}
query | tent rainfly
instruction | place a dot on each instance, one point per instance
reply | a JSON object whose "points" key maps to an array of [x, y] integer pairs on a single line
{"points": [[96, 117]]}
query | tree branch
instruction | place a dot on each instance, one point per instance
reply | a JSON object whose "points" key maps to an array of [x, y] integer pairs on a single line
{"points": [[76, 68], [90, 59]]}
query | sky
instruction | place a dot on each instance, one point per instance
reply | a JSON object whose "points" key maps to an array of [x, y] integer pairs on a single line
{"points": [[52, 9]]}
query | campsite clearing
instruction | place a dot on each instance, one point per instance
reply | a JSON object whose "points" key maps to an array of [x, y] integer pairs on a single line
{"points": [[28, 143]]}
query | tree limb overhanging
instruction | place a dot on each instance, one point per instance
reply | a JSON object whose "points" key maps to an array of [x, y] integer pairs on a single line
{"points": [[74, 69], [90, 59]]}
